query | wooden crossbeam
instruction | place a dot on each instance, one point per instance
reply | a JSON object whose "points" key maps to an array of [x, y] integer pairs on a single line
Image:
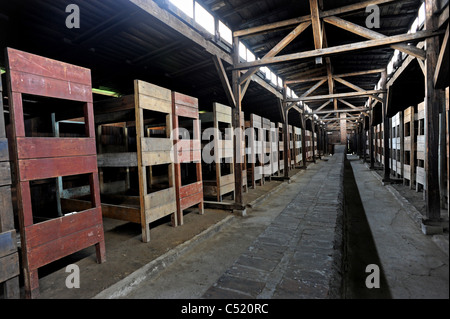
{"points": [[372, 35], [370, 44], [224, 79], [316, 24], [354, 87], [286, 23], [359, 109], [278, 48], [314, 87], [336, 96], [344, 75]]}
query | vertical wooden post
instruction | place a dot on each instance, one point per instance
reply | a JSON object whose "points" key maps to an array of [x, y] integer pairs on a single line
{"points": [[237, 125], [372, 139], [448, 148], [442, 151], [287, 151], [343, 125], [431, 118], [304, 150], [386, 128], [313, 127]]}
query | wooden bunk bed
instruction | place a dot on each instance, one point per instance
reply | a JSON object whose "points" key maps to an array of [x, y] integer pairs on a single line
{"points": [[218, 175], [298, 145], [40, 160], [409, 147], [136, 160], [280, 149], [274, 148], [396, 150], [308, 143], [420, 163], [292, 150], [9, 257], [244, 157], [267, 148], [188, 154], [255, 167]]}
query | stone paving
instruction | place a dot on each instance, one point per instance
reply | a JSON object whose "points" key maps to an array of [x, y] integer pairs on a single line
{"points": [[299, 255]]}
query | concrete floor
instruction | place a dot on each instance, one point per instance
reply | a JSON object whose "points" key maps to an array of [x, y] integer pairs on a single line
{"points": [[185, 262], [413, 266]]}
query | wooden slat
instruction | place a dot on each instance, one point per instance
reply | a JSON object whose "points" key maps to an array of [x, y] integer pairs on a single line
{"points": [[221, 108], [4, 156], [193, 188], [191, 200], [28, 148], [35, 169], [156, 144], [5, 174], [26, 83], [45, 67], [117, 160], [157, 158], [160, 198], [48, 231], [154, 104], [8, 243], [6, 209], [9, 267], [184, 100], [64, 246]]}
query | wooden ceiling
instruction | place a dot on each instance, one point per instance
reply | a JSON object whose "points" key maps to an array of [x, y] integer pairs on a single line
{"points": [[121, 42]]}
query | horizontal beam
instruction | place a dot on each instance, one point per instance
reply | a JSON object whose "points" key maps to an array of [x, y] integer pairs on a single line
{"points": [[336, 96], [359, 109], [370, 44], [344, 75], [287, 23]]}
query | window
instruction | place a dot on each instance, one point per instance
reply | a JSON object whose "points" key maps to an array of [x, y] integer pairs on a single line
{"points": [[250, 56], [204, 18], [273, 78], [225, 33], [280, 82], [186, 6], [242, 51], [421, 15]]}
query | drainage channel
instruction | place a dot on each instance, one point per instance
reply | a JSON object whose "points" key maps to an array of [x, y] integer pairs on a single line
{"points": [[359, 246]]}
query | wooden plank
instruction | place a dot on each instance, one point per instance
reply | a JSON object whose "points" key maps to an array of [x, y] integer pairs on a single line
{"points": [[154, 104], [224, 79], [9, 267], [150, 144], [184, 100], [64, 246], [4, 155], [124, 103], [160, 198], [117, 160], [35, 169], [51, 230], [5, 174], [224, 109], [8, 243], [38, 147], [193, 188], [45, 67], [191, 200], [33, 84], [441, 77], [120, 212], [157, 158], [159, 212], [6, 209]]}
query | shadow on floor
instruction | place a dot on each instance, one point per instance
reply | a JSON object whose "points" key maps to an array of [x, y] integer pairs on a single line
{"points": [[360, 249]]}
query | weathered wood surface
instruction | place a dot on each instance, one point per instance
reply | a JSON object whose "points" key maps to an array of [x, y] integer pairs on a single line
{"points": [[41, 158], [187, 151]]}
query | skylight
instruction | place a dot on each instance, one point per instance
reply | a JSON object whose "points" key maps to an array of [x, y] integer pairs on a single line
{"points": [[242, 51], [204, 18], [186, 6]]}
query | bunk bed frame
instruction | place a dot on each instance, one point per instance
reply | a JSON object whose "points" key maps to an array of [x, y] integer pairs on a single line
{"points": [[9, 256], [267, 148], [223, 150], [255, 168], [38, 158], [187, 151], [420, 164], [409, 147], [298, 145], [281, 154]]}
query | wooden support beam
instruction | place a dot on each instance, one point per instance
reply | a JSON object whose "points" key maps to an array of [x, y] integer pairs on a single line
{"points": [[372, 35], [336, 96], [354, 87], [370, 44], [440, 78], [224, 79], [323, 105], [316, 24], [278, 48], [286, 23], [237, 125], [313, 88], [386, 127], [432, 102], [375, 71], [359, 109]]}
